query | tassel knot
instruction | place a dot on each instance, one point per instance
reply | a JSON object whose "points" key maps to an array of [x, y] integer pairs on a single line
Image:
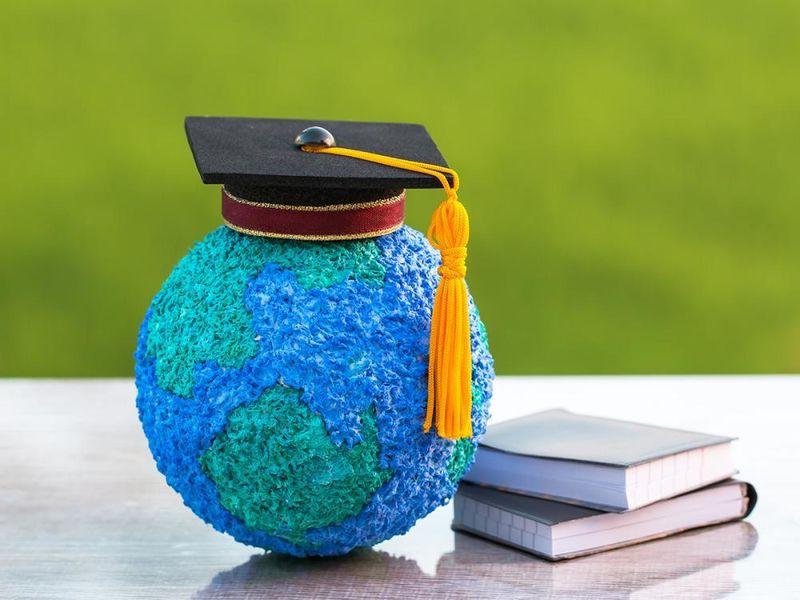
{"points": [[454, 263]]}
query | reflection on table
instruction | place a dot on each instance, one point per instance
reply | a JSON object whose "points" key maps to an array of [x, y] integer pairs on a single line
{"points": [[698, 563]]}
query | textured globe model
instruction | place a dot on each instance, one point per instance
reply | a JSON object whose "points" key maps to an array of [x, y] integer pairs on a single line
{"points": [[283, 386]]}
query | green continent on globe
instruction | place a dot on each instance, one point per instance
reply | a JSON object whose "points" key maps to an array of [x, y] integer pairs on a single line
{"points": [[200, 315], [277, 470], [464, 449]]}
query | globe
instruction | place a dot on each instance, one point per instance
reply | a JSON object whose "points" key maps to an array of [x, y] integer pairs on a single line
{"points": [[282, 387]]}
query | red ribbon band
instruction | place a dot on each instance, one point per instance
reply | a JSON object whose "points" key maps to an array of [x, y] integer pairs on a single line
{"points": [[336, 222]]}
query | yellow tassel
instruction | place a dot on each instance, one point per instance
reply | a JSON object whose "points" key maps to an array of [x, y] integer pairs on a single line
{"points": [[450, 360]]}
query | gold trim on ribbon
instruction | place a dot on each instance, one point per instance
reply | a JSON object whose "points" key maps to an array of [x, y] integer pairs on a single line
{"points": [[314, 238], [329, 208]]}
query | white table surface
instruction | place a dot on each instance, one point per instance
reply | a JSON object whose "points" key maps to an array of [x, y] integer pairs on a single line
{"points": [[84, 513]]}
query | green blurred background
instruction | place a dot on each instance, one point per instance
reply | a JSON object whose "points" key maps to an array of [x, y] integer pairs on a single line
{"points": [[631, 168]]}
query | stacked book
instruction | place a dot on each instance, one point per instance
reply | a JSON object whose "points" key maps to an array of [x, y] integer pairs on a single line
{"points": [[561, 485]]}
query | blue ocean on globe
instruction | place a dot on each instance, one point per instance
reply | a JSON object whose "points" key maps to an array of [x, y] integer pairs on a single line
{"points": [[282, 387]]}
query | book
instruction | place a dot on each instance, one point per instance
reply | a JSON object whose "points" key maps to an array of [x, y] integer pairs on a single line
{"points": [[555, 531], [601, 463]]}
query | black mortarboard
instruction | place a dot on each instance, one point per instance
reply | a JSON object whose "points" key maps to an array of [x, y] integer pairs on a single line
{"points": [[261, 153]]}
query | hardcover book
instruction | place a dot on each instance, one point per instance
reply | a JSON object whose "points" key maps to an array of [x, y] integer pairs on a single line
{"points": [[601, 463], [554, 530]]}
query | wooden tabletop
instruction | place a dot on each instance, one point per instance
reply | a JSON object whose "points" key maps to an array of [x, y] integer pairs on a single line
{"points": [[85, 514]]}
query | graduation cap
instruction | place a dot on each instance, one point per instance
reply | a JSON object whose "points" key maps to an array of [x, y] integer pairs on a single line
{"points": [[272, 188], [277, 183]]}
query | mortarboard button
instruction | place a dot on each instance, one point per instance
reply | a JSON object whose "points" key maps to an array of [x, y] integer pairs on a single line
{"points": [[315, 136]]}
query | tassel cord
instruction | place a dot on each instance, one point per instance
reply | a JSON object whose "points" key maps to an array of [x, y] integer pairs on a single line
{"points": [[450, 360]]}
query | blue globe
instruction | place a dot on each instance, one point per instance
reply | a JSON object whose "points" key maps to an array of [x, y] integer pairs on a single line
{"points": [[282, 386]]}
